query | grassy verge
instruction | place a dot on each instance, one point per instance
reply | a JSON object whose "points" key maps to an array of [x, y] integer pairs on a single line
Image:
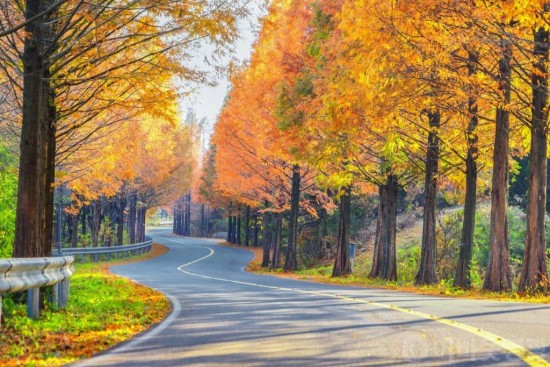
{"points": [[323, 274], [103, 310]]}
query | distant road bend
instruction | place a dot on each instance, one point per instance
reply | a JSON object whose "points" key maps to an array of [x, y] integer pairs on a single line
{"points": [[224, 316]]}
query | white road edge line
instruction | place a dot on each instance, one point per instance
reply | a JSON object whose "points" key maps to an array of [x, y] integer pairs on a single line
{"points": [[140, 338]]}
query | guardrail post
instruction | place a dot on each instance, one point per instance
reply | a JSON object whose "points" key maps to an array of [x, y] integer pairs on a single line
{"points": [[63, 293], [55, 295], [33, 297]]}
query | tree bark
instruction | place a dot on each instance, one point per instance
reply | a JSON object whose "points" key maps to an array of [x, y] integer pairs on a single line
{"points": [[499, 275], [96, 222], [291, 258], [33, 232], [49, 187], [276, 258], [132, 218], [256, 230], [207, 222], [183, 230], [183, 218], [83, 213], [247, 227], [384, 264], [266, 239], [427, 272], [239, 240], [342, 264], [229, 229], [74, 230], [462, 277], [141, 217], [234, 230], [534, 270], [175, 221], [121, 205], [202, 221], [188, 216]]}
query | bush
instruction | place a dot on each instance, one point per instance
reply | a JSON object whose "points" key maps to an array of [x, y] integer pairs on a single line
{"points": [[448, 237], [408, 258]]}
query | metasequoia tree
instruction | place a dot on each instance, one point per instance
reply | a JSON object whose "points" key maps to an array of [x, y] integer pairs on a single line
{"points": [[83, 46], [144, 168], [385, 95], [534, 271], [260, 131]]}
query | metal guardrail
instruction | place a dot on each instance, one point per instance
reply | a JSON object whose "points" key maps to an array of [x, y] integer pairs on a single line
{"points": [[118, 251], [31, 274]]}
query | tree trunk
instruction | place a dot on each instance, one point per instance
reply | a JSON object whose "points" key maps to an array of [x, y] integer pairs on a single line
{"points": [[34, 222], [499, 275], [247, 227], [138, 225], [239, 241], [121, 205], [188, 216], [132, 218], [96, 222], [202, 221], [276, 258], [229, 229], [266, 239], [207, 222], [49, 187], [534, 270], [427, 272], [74, 230], [256, 230], [183, 218], [234, 230], [342, 264], [291, 259], [141, 217], [384, 264], [83, 213], [462, 278], [175, 221]]}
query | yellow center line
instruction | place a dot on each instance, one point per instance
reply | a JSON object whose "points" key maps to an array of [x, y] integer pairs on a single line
{"points": [[523, 353]]}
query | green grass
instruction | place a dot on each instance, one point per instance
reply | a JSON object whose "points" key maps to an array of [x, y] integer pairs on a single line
{"points": [[405, 283], [103, 310]]}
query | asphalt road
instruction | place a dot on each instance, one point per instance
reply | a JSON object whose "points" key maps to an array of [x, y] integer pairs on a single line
{"points": [[224, 316]]}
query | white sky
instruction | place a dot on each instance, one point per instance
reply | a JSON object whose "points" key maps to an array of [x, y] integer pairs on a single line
{"points": [[207, 101]]}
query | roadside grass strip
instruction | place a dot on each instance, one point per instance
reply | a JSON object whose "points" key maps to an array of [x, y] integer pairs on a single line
{"points": [[103, 310], [521, 352]]}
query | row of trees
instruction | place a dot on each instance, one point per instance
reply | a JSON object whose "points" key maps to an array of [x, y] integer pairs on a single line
{"points": [[357, 97], [89, 95]]}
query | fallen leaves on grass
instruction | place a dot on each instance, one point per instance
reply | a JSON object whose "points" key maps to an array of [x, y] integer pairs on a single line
{"points": [[103, 310], [323, 274]]}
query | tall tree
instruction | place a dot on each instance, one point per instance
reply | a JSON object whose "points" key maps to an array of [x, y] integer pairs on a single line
{"points": [[110, 37], [534, 271]]}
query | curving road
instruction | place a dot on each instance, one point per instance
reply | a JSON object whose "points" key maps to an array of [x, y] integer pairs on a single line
{"points": [[223, 316]]}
